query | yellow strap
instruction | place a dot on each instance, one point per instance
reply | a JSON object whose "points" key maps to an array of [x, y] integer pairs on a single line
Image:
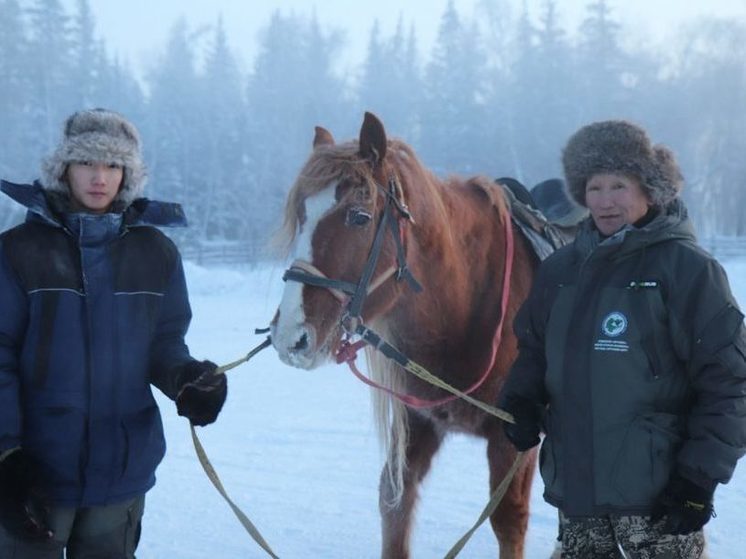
{"points": [[212, 474], [420, 372], [233, 364], [497, 496], [210, 470]]}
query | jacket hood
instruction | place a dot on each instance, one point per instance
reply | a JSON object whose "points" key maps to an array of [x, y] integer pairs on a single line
{"points": [[672, 222], [49, 205]]}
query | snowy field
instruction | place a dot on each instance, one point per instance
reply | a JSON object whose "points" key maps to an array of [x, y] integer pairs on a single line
{"points": [[297, 451]]}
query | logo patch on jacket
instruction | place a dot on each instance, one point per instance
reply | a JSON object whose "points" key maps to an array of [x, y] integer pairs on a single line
{"points": [[613, 325]]}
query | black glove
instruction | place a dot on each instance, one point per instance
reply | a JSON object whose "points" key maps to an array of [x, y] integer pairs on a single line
{"points": [[524, 433], [202, 392], [686, 506], [24, 510]]}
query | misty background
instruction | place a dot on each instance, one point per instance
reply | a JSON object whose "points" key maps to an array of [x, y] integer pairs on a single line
{"points": [[496, 87]]}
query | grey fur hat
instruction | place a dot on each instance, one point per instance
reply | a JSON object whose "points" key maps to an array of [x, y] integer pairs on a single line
{"points": [[98, 135], [618, 146]]}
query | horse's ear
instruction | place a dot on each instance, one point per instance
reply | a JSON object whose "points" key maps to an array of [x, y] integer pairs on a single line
{"points": [[372, 139], [322, 137]]}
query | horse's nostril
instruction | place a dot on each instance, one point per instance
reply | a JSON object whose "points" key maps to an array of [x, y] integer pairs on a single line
{"points": [[302, 343]]}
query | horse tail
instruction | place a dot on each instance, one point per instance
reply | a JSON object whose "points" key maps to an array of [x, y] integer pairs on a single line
{"points": [[390, 416]]}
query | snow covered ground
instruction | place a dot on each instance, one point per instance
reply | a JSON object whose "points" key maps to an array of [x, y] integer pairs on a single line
{"points": [[297, 451]]}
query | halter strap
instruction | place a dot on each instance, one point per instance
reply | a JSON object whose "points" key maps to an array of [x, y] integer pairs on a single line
{"points": [[354, 294], [354, 309], [306, 273]]}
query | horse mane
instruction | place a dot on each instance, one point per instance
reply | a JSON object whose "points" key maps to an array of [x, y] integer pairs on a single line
{"points": [[330, 163], [325, 165]]}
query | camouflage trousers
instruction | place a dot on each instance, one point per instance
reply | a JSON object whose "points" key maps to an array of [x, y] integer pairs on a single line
{"points": [[625, 537]]}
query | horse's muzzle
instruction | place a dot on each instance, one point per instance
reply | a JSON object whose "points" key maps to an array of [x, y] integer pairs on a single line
{"points": [[296, 346]]}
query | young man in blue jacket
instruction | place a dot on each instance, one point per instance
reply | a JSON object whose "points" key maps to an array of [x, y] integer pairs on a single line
{"points": [[94, 310]]}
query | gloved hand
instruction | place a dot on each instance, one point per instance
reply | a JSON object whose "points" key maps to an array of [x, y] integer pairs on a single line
{"points": [[24, 510], [202, 392], [686, 506], [524, 433]]}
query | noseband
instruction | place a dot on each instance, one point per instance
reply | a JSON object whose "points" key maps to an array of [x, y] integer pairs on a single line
{"points": [[353, 295]]}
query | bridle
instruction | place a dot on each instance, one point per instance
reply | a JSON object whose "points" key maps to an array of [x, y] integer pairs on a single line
{"points": [[353, 295]]}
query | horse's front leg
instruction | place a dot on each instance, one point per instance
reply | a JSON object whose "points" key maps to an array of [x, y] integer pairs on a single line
{"points": [[397, 514], [510, 519]]}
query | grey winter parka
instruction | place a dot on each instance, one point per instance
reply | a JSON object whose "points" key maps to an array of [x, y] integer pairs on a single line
{"points": [[638, 350]]}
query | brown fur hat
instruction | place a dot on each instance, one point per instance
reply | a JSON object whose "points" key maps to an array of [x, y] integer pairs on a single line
{"points": [[97, 135], [618, 146]]}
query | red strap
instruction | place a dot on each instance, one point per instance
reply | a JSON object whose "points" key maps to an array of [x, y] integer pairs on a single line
{"points": [[348, 352]]}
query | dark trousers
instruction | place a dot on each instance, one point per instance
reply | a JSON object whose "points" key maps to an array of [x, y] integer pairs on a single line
{"points": [[109, 532]]}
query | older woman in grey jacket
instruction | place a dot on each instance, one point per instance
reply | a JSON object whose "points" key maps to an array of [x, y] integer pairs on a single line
{"points": [[631, 359]]}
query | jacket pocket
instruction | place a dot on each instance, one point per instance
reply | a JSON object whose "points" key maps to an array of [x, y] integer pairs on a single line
{"points": [[646, 458], [650, 312], [145, 444], [55, 435]]}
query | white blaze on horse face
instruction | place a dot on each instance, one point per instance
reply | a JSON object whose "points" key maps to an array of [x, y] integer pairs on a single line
{"points": [[293, 338]]}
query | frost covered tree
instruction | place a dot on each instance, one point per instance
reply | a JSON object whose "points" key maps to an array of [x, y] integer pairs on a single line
{"points": [[452, 115], [291, 89], [16, 159], [391, 84], [496, 94], [601, 65], [708, 109], [226, 170], [549, 86], [49, 67], [175, 120]]}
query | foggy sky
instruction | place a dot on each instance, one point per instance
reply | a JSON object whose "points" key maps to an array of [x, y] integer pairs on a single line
{"points": [[137, 30]]}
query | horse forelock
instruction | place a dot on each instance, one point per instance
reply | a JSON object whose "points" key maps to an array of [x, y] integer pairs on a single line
{"points": [[329, 164], [326, 166]]}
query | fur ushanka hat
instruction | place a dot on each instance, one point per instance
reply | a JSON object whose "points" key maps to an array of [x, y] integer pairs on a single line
{"points": [[618, 146], [97, 135]]}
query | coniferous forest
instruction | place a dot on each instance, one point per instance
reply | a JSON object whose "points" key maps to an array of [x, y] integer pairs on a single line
{"points": [[497, 95]]}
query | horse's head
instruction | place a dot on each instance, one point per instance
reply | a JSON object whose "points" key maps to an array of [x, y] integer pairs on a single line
{"points": [[345, 197]]}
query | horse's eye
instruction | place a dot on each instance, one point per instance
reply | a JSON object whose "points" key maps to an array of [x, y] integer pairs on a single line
{"points": [[357, 217]]}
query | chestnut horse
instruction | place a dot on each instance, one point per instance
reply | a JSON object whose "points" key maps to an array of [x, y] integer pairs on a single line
{"points": [[373, 196]]}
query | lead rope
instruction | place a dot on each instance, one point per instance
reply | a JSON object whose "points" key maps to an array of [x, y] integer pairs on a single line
{"points": [[213, 475], [495, 499], [372, 338]]}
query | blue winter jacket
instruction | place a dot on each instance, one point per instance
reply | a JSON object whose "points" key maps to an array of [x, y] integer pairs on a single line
{"points": [[93, 309]]}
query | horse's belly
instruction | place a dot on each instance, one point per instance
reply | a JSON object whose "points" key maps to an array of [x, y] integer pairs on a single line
{"points": [[457, 418]]}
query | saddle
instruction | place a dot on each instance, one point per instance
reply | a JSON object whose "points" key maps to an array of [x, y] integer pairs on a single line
{"points": [[545, 215]]}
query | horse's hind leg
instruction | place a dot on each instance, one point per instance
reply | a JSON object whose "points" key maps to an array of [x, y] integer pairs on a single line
{"points": [[397, 515], [510, 520]]}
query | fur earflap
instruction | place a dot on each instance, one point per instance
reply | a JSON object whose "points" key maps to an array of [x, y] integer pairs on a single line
{"points": [[98, 135], [618, 146]]}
